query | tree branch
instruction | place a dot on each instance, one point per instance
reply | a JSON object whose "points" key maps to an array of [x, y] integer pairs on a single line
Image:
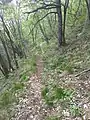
{"points": [[46, 7], [41, 19], [40, 8]]}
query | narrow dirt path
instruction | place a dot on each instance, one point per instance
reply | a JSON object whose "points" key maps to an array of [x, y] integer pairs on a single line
{"points": [[31, 106]]}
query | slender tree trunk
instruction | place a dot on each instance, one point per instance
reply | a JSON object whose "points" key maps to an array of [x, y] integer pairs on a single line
{"points": [[42, 31], [4, 66], [64, 23], [8, 57], [50, 20], [11, 42], [2, 71], [59, 12], [88, 8]]}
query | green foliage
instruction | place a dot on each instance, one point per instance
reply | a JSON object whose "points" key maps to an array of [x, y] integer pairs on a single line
{"points": [[17, 86], [4, 115], [52, 95], [59, 93], [75, 110], [45, 91], [33, 64], [28, 67], [69, 68], [61, 63], [24, 78], [7, 98], [47, 96]]}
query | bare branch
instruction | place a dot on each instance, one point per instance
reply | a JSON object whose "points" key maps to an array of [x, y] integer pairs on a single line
{"points": [[40, 8], [45, 6], [41, 20]]}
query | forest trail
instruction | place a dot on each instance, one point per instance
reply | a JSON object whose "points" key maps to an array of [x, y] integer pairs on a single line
{"points": [[40, 67], [31, 106]]}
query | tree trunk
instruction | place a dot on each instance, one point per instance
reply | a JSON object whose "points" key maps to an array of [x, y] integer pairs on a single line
{"points": [[64, 24], [8, 57], [43, 33], [11, 42], [4, 66], [88, 8], [59, 12]]}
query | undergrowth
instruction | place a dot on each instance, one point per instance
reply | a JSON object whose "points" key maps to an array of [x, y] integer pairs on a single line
{"points": [[69, 60], [16, 85], [53, 118], [53, 94]]}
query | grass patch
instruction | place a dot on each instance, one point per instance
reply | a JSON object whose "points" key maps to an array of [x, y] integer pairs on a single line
{"points": [[59, 64], [54, 94], [6, 99], [75, 110], [17, 86], [53, 118]]}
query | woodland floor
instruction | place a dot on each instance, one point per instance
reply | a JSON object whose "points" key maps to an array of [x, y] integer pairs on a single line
{"points": [[32, 107], [76, 55]]}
